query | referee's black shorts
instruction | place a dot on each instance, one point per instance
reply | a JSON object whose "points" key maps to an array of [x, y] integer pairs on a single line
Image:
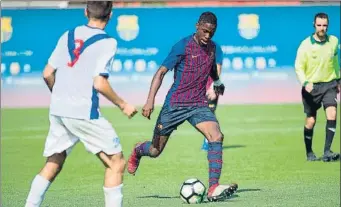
{"points": [[324, 93]]}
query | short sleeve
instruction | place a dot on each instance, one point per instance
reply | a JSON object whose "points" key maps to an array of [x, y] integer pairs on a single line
{"points": [[218, 55], [174, 56], [105, 61], [58, 57], [337, 48], [336, 59]]}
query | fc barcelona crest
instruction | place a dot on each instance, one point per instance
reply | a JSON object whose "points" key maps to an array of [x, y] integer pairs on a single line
{"points": [[6, 29], [127, 27], [248, 25]]}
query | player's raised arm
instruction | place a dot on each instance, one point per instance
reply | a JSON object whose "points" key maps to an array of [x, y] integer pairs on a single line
{"points": [[154, 87], [337, 62], [102, 85], [219, 58], [54, 62], [301, 64], [210, 93], [169, 63], [49, 76], [218, 86]]}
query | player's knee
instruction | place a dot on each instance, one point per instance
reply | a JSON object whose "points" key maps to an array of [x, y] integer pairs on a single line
{"points": [[217, 137], [331, 113], [55, 169], [154, 152], [117, 165], [310, 122], [121, 165], [51, 170], [55, 163]]}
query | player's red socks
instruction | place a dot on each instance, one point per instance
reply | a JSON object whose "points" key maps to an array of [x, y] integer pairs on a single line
{"points": [[143, 149], [215, 162]]}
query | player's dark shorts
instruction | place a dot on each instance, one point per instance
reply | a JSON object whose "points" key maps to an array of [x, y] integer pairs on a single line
{"points": [[322, 93], [171, 117]]}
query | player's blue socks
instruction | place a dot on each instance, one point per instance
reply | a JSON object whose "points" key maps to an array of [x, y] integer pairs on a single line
{"points": [[204, 145], [215, 162], [143, 149]]}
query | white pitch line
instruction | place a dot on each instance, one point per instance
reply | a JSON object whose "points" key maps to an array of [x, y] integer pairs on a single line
{"points": [[142, 124], [180, 132]]}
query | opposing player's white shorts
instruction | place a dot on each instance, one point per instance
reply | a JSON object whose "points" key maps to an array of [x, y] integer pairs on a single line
{"points": [[97, 135]]}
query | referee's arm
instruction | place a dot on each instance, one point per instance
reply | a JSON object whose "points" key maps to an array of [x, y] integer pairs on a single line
{"points": [[300, 65], [337, 63]]}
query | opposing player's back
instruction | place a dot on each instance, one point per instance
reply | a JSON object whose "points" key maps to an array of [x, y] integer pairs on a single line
{"points": [[75, 73], [81, 54]]}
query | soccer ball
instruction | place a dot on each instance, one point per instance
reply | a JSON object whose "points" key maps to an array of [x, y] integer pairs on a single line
{"points": [[192, 191]]}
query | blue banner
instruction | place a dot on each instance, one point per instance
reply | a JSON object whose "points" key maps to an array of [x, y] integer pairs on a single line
{"points": [[256, 41]]}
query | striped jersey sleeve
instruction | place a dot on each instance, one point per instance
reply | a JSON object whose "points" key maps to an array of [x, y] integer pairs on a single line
{"points": [[174, 57]]}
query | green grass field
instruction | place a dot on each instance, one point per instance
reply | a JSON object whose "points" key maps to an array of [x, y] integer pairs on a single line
{"points": [[263, 152]]}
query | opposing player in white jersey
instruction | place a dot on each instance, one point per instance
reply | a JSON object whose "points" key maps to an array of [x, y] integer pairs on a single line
{"points": [[75, 73]]}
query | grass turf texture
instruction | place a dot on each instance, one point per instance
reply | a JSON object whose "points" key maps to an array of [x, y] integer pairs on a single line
{"points": [[263, 152]]}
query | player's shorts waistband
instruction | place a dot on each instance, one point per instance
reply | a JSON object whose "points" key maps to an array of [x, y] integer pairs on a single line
{"points": [[332, 82]]}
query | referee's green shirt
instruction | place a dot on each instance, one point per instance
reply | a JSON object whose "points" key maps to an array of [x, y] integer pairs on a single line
{"points": [[317, 61]]}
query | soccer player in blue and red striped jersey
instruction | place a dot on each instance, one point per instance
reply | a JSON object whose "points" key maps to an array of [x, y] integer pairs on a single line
{"points": [[210, 93], [193, 61]]}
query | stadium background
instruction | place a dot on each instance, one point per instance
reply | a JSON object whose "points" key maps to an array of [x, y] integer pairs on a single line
{"points": [[263, 144], [259, 43]]}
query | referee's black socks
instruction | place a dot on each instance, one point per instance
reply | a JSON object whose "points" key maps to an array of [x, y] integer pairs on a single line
{"points": [[330, 131], [308, 139]]}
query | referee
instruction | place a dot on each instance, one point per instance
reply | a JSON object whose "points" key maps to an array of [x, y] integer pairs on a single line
{"points": [[318, 70]]}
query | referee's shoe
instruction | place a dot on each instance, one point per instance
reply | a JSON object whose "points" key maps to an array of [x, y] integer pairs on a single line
{"points": [[330, 156]]}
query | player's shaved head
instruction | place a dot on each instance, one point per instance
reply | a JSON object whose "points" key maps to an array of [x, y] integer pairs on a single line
{"points": [[208, 17], [100, 10]]}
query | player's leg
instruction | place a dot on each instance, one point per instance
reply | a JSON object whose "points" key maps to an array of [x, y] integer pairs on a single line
{"points": [[44, 178], [212, 104], [310, 109], [58, 144], [168, 120], [308, 136], [148, 148], [206, 123], [330, 105], [100, 138], [113, 178]]}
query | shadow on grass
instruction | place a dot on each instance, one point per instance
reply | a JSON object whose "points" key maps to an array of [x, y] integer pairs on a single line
{"points": [[159, 196], [230, 199], [233, 146], [248, 190]]}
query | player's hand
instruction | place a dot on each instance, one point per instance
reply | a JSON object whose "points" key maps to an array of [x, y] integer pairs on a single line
{"points": [[129, 110], [219, 89], [147, 110], [309, 87], [211, 94]]}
